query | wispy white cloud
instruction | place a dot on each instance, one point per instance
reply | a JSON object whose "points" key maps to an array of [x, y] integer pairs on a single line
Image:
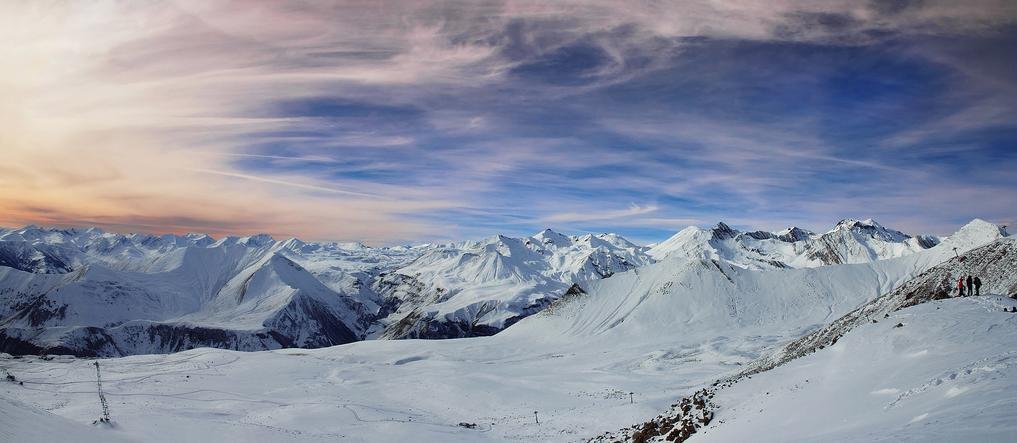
{"points": [[600, 215], [138, 113]]}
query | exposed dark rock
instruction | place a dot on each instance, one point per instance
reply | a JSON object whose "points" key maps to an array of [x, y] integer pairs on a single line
{"points": [[795, 234], [679, 423], [723, 231]]}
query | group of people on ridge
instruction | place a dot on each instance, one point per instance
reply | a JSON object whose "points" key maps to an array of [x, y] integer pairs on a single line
{"points": [[974, 286]]}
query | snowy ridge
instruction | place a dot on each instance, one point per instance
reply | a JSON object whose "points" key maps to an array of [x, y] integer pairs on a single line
{"points": [[850, 241]]}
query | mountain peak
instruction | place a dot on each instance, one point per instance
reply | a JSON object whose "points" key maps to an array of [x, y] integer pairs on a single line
{"points": [[974, 233], [849, 223], [551, 237], [870, 228], [794, 234], [722, 231], [257, 240]]}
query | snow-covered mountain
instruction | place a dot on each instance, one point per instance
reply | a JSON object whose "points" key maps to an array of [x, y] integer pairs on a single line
{"points": [[479, 288], [623, 350], [88, 292], [850, 241], [872, 359]]}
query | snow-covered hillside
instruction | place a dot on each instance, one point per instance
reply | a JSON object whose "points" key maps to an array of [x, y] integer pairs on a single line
{"points": [[21, 422], [947, 374], [851, 241], [659, 332]]}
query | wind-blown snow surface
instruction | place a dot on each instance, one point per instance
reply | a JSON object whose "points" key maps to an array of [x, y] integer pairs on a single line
{"points": [[659, 332]]}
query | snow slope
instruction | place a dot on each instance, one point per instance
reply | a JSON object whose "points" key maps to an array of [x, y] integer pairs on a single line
{"points": [[850, 241], [948, 374], [575, 364], [994, 263], [20, 422]]}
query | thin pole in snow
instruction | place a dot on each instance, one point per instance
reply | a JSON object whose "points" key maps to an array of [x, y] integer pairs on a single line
{"points": [[955, 252], [630, 398], [535, 419]]}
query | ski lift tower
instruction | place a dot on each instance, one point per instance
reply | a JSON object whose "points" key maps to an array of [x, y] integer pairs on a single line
{"points": [[102, 397]]}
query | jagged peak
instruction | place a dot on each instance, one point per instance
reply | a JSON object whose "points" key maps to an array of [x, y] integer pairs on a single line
{"points": [[251, 241], [257, 240], [615, 239], [794, 229], [549, 231], [32, 227], [294, 243], [722, 231], [849, 223], [871, 228], [794, 234], [550, 236]]}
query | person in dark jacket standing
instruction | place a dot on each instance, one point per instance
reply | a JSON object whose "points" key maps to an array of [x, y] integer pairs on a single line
{"points": [[978, 286], [960, 287], [971, 285]]}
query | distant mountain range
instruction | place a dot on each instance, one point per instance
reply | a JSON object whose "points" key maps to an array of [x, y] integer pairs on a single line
{"points": [[92, 293], [850, 241]]}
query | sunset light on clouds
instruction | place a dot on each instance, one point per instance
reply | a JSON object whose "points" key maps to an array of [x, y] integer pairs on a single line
{"points": [[390, 122]]}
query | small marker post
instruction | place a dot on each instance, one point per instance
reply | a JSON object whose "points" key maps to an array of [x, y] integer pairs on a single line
{"points": [[535, 419], [630, 398]]}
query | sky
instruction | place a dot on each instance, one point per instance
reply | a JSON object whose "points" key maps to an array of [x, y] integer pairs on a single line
{"points": [[395, 122]]}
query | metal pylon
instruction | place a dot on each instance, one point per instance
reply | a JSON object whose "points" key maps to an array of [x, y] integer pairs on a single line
{"points": [[102, 397]]}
